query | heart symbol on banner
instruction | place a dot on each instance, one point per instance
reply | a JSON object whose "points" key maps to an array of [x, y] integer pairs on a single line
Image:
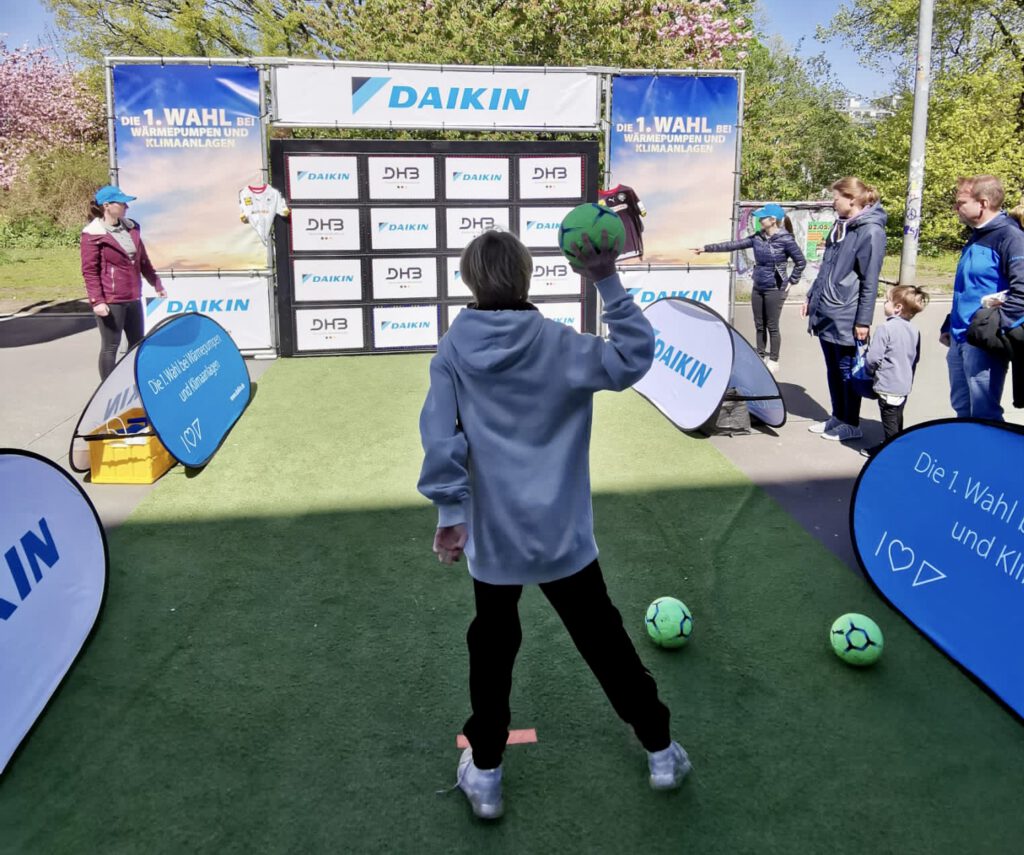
{"points": [[190, 439], [898, 552]]}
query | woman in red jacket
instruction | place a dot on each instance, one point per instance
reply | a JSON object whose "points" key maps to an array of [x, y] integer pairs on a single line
{"points": [[114, 260]]}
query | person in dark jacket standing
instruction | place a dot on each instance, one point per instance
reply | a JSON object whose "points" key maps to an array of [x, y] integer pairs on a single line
{"points": [[114, 260], [990, 270], [841, 302], [773, 248]]}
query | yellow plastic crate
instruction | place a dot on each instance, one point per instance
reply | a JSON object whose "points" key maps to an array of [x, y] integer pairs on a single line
{"points": [[121, 458]]}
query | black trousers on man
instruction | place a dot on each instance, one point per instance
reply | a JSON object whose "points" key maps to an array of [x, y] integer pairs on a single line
{"points": [[595, 625]]}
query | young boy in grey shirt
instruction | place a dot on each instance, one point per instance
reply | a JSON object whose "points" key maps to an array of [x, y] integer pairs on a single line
{"points": [[893, 355]]}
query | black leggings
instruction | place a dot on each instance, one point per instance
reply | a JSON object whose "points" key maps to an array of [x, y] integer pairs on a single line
{"points": [[595, 626], [767, 306], [123, 318]]}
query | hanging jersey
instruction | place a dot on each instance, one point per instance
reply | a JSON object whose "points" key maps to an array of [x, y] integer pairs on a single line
{"points": [[624, 202], [259, 205]]}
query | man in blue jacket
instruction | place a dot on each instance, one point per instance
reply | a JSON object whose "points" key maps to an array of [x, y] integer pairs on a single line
{"points": [[992, 261]]}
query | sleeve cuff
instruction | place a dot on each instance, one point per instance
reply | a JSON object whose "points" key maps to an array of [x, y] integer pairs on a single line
{"points": [[449, 515]]}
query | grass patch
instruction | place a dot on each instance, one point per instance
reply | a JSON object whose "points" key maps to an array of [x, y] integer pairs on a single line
{"points": [[31, 275], [935, 273]]}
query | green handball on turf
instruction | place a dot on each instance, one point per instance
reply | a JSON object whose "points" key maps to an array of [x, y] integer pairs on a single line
{"points": [[669, 623], [590, 219], [856, 639]]}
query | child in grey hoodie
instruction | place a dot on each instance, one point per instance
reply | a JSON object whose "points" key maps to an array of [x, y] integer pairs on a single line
{"points": [[893, 355], [506, 435]]}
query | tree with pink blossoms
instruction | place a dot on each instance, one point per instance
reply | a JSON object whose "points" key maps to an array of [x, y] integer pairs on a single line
{"points": [[43, 106]]}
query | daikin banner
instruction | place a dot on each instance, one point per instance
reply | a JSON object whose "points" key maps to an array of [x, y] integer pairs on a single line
{"points": [[395, 96], [938, 526], [52, 582], [674, 140], [187, 142]]}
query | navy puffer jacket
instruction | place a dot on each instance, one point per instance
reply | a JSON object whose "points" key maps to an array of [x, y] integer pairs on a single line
{"points": [[844, 294], [771, 267]]}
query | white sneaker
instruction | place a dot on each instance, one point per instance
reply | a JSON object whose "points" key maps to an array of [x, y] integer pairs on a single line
{"points": [[843, 432], [668, 767], [821, 427], [773, 365], [481, 786]]}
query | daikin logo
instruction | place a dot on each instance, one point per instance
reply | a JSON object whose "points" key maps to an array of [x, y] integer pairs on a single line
{"points": [[323, 176], [38, 550], [645, 297], [542, 225], [176, 307], [688, 367], [476, 176], [405, 325], [484, 98], [402, 227], [320, 279]]}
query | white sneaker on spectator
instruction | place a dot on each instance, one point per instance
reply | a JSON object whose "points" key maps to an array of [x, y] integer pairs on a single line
{"points": [[773, 365], [821, 427], [843, 432]]}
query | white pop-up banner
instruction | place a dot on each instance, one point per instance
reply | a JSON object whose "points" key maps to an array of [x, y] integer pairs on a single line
{"points": [[396, 96], [698, 357], [51, 586]]}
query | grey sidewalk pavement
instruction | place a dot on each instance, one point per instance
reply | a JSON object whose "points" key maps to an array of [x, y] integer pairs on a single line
{"points": [[45, 385]]}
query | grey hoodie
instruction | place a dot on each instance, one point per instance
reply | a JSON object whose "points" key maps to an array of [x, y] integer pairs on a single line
{"points": [[844, 293], [893, 355], [506, 432]]}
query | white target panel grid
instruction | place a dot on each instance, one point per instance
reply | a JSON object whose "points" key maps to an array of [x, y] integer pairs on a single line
{"points": [[399, 238]]}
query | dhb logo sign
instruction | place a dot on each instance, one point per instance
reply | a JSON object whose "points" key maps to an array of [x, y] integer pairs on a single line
{"points": [[401, 173], [331, 224], [404, 273], [329, 324], [467, 224], [554, 173]]}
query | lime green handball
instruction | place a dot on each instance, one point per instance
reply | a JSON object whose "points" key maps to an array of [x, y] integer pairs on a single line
{"points": [[669, 623], [856, 639], [590, 219]]}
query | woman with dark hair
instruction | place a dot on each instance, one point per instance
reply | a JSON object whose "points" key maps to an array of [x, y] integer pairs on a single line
{"points": [[114, 260], [841, 302], [774, 248]]}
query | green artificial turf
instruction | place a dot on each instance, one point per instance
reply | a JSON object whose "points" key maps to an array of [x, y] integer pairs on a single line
{"points": [[280, 666]]}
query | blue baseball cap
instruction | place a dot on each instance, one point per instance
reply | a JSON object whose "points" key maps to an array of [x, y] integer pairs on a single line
{"points": [[771, 210], [110, 193]]}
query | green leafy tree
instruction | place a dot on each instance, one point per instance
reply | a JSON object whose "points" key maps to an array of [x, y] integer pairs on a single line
{"points": [[796, 142], [976, 111]]}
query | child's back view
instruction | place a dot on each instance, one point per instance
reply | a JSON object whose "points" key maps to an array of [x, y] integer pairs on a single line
{"points": [[506, 436]]}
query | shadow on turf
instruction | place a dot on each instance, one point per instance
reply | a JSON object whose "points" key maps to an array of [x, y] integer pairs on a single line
{"points": [[316, 663]]}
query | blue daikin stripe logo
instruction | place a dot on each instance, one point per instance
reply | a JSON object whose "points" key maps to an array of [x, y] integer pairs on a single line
{"points": [[470, 98], [364, 88], [306, 175]]}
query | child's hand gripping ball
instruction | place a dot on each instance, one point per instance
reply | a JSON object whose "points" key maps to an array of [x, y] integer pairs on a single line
{"points": [[591, 237], [856, 639], [669, 623]]}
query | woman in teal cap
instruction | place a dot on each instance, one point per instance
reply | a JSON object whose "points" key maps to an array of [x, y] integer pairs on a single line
{"points": [[114, 260], [773, 248]]}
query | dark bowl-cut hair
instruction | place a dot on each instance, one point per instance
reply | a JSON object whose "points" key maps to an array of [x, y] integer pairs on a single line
{"points": [[497, 267]]}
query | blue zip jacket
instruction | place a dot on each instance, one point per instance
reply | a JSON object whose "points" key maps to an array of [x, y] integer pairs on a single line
{"points": [[506, 433], [844, 293], [992, 260], [770, 258]]}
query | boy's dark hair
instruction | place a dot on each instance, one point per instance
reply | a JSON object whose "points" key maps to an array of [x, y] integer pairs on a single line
{"points": [[910, 299], [497, 269]]}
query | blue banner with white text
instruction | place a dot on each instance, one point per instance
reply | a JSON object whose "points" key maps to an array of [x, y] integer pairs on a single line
{"points": [[194, 385], [188, 142], [938, 524], [673, 142]]}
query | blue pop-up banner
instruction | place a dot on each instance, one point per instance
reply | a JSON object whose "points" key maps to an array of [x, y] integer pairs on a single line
{"points": [[938, 525], [194, 385]]}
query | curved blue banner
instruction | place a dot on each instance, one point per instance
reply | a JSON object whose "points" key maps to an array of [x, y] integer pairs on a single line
{"points": [[937, 520], [194, 385]]}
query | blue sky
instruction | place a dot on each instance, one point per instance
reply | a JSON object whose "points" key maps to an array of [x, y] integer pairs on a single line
{"points": [[793, 20]]}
